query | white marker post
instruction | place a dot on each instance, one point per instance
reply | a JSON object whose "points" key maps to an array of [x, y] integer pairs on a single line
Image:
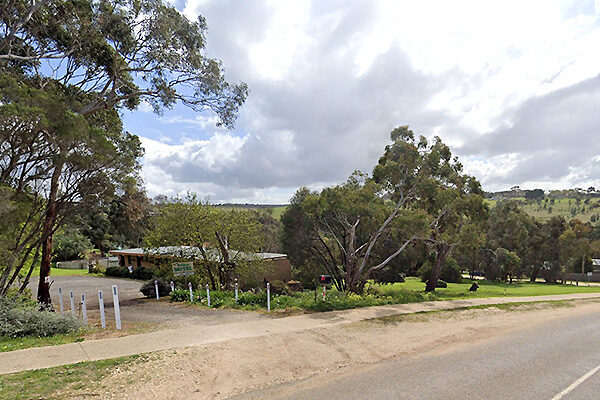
{"points": [[172, 286], [83, 309], [156, 289], [117, 308], [101, 304], [268, 296], [72, 303], [191, 292], [324, 291], [236, 292], [207, 295], [60, 301]]}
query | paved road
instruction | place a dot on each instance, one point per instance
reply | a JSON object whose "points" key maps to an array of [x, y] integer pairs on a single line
{"points": [[208, 331], [552, 361]]}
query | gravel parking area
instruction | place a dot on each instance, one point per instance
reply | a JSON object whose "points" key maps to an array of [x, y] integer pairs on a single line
{"points": [[135, 307]]}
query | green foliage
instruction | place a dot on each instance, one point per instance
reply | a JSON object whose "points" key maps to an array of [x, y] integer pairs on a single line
{"points": [[140, 273], [217, 238], [117, 272], [69, 244], [375, 294], [451, 271], [148, 289], [62, 123], [20, 317], [335, 300]]}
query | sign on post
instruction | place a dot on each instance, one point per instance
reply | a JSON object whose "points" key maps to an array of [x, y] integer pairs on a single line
{"points": [[72, 298], [101, 304], [117, 308], [84, 309], [60, 301], [183, 268]]}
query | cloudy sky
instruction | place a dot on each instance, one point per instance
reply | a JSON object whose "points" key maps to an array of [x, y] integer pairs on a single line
{"points": [[511, 86]]}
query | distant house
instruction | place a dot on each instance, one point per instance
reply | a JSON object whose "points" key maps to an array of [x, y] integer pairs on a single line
{"points": [[596, 264], [151, 257]]}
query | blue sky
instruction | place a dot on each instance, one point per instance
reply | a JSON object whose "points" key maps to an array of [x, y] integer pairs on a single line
{"points": [[511, 86]]}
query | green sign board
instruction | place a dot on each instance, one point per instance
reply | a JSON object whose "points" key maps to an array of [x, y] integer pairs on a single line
{"points": [[183, 268]]}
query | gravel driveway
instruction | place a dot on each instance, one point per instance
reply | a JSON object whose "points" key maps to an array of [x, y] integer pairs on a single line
{"points": [[135, 307]]}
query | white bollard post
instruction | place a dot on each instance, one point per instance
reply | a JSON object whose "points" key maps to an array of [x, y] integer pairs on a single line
{"points": [[156, 289], [324, 291], [207, 295], [268, 296], [191, 292], [60, 301], [84, 309], [236, 293], [72, 303], [101, 304], [117, 308], [172, 286]]}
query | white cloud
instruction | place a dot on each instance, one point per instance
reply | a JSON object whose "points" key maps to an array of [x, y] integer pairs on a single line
{"points": [[329, 80]]}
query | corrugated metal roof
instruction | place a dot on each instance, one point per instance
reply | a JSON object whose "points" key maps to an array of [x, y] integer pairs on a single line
{"points": [[194, 252]]}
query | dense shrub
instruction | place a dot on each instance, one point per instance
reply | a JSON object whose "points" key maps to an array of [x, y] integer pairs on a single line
{"points": [[279, 287], [148, 289], [20, 317], [179, 295], [252, 299], [119, 272], [375, 295], [217, 299], [140, 273]]}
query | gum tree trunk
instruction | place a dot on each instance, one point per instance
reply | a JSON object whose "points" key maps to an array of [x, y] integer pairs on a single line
{"points": [[43, 295], [442, 253]]}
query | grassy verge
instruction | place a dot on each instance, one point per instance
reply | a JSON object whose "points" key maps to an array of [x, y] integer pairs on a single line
{"points": [[63, 382], [515, 306], [411, 291], [92, 332], [12, 344], [65, 272], [488, 289]]}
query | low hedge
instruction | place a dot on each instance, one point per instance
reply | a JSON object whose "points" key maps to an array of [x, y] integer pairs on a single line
{"points": [[140, 273], [21, 317], [300, 300]]}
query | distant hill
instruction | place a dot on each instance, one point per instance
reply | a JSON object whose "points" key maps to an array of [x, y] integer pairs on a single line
{"points": [[275, 209], [572, 203]]}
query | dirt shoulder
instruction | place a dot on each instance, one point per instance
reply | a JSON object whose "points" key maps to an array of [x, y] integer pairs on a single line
{"points": [[229, 368]]}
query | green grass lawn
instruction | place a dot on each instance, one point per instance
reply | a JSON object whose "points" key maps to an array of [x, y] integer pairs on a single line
{"points": [[11, 344], [489, 289], [277, 211], [64, 272], [62, 382], [560, 207]]}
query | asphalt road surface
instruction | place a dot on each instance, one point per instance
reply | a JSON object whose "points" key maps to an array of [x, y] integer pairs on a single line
{"points": [[551, 361]]}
